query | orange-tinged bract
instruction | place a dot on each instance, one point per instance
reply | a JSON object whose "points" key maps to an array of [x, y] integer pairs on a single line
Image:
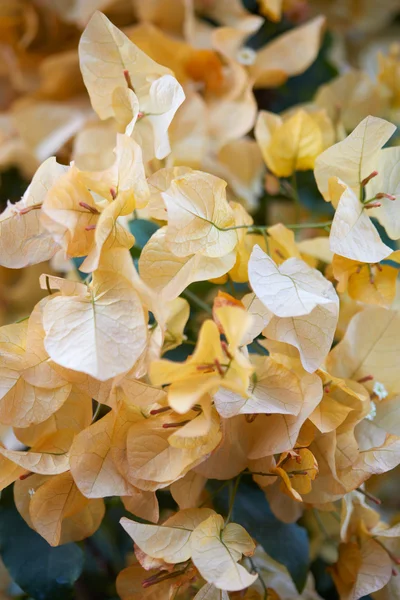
{"points": [[202, 343]]}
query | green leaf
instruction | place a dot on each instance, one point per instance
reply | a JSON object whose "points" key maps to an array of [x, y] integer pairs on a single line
{"points": [[179, 354], [287, 543], [324, 584], [142, 230], [43, 572], [78, 260], [12, 186]]}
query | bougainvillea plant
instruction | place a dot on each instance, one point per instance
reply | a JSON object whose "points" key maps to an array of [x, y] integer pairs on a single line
{"points": [[226, 382]]}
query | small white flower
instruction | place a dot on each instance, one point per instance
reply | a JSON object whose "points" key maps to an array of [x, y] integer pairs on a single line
{"points": [[31, 492], [380, 390], [246, 56], [372, 413]]}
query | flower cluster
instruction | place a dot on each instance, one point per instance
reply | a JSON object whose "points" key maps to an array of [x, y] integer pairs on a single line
{"points": [[128, 381]]}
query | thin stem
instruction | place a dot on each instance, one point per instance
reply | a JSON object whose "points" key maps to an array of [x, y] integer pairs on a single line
{"points": [[322, 527], [100, 559], [128, 79], [309, 225], [264, 351], [253, 566], [265, 236], [174, 425], [217, 491], [361, 193], [25, 318], [296, 197], [51, 453], [232, 499], [48, 286], [369, 496], [232, 287], [261, 228], [238, 227], [146, 583], [176, 592], [288, 473], [196, 300], [159, 411]]}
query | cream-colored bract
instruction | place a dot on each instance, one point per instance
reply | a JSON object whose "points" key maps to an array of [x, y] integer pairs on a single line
{"points": [[23, 239], [170, 541], [101, 333], [291, 290], [369, 347], [355, 158], [216, 551], [353, 234], [110, 64], [198, 213], [169, 274], [387, 181]]}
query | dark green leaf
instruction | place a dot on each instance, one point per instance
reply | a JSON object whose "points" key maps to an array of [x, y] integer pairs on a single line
{"points": [[12, 187], [142, 230], [43, 572], [179, 354], [78, 260], [386, 240], [323, 580], [310, 196], [135, 253]]}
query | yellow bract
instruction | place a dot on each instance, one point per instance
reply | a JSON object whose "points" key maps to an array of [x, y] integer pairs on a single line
{"points": [[371, 284], [213, 364], [389, 68], [297, 473], [291, 144], [56, 509]]}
